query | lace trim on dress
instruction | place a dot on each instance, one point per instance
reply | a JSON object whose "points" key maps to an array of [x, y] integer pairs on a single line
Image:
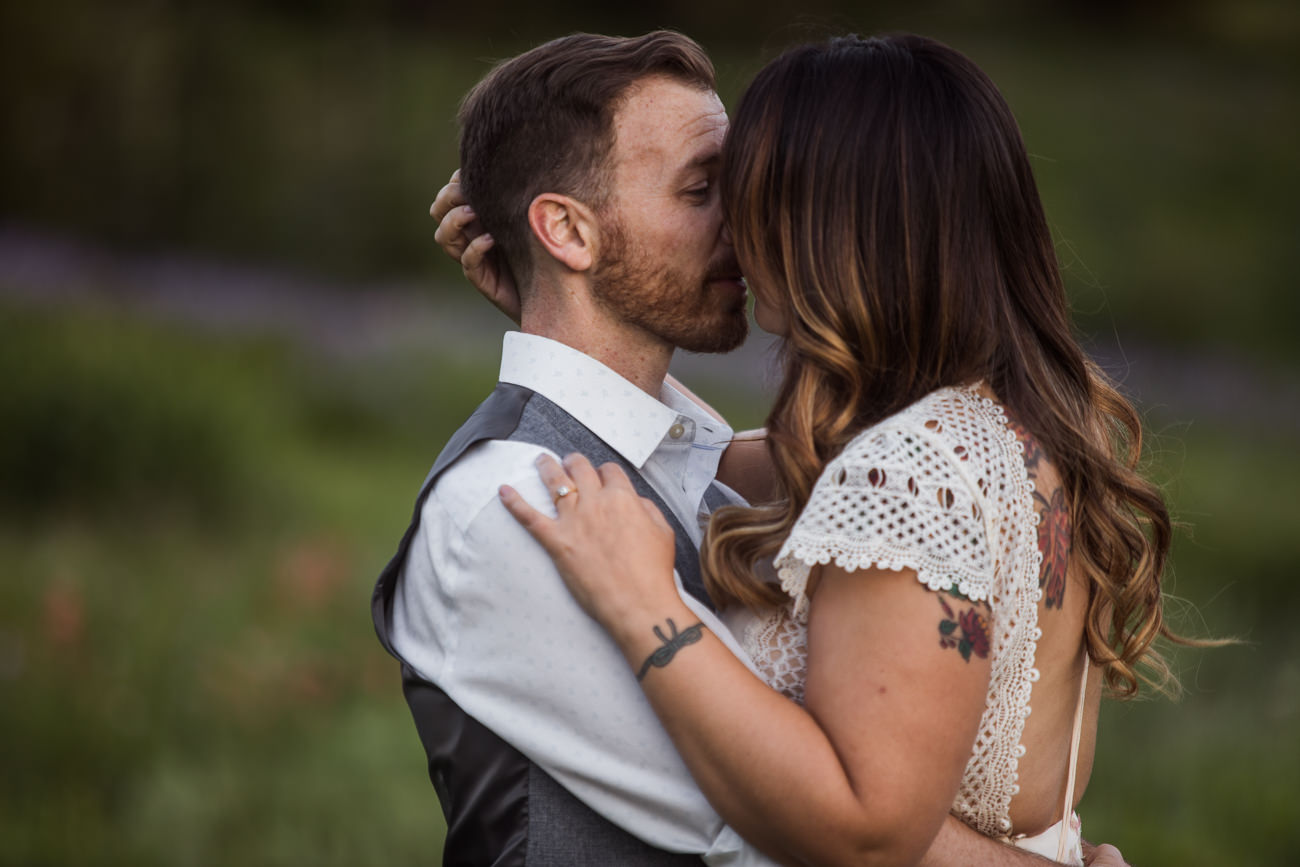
{"points": [[778, 645], [878, 504], [940, 488]]}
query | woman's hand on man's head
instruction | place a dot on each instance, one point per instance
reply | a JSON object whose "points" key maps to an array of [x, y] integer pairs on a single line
{"points": [[461, 237]]}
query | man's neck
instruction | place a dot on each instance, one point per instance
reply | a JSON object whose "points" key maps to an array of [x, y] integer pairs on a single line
{"points": [[628, 350]]}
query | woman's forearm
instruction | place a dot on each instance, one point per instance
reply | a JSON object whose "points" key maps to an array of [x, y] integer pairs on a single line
{"points": [[746, 467], [771, 771]]}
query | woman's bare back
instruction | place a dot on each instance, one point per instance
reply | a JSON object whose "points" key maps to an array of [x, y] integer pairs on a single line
{"points": [[1059, 659]]}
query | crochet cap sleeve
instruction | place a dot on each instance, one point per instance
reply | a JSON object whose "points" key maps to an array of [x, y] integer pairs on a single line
{"points": [[897, 497], [942, 488]]}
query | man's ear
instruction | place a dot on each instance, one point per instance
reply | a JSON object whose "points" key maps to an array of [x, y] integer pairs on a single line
{"points": [[565, 228]]}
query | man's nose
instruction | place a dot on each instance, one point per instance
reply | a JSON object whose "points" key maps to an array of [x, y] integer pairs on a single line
{"points": [[725, 236]]}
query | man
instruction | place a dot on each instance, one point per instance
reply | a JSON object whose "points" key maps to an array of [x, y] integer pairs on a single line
{"points": [[591, 161]]}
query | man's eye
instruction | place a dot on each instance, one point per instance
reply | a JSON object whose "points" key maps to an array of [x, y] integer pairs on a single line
{"points": [[699, 193]]}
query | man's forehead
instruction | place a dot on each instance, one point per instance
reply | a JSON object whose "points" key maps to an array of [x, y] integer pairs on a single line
{"points": [[661, 113]]}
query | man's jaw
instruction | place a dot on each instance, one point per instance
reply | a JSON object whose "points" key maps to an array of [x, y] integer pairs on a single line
{"points": [[725, 286]]}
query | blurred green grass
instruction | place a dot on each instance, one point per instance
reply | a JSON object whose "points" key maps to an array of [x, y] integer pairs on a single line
{"points": [[188, 673]]}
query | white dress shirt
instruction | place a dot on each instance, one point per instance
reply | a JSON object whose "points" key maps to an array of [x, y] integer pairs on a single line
{"points": [[482, 612]]}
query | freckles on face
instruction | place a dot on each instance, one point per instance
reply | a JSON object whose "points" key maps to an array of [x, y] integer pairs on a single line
{"points": [[666, 268], [668, 142]]}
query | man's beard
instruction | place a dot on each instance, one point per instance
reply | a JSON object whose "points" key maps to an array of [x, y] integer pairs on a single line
{"points": [[668, 301]]}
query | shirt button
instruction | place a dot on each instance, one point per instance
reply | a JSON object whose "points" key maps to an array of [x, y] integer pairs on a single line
{"points": [[676, 431]]}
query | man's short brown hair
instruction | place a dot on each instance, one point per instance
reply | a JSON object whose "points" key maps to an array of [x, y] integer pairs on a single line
{"points": [[543, 122]]}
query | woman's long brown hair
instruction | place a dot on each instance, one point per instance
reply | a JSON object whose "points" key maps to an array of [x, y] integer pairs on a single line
{"points": [[880, 196]]}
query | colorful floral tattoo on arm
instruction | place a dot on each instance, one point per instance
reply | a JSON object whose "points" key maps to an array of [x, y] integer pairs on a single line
{"points": [[1053, 524], [967, 631], [672, 643]]}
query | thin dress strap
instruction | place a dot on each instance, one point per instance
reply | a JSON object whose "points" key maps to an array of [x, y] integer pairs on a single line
{"points": [[1068, 806]]}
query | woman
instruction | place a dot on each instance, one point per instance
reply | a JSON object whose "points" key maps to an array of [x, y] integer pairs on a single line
{"points": [[958, 527]]}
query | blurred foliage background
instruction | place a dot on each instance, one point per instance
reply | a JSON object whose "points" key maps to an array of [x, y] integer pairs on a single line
{"points": [[230, 349]]}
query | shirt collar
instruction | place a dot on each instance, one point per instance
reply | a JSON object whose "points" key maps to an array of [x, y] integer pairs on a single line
{"points": [[627, 419]]}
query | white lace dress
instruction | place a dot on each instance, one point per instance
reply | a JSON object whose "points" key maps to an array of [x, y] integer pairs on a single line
{"points": [[940, 488]]}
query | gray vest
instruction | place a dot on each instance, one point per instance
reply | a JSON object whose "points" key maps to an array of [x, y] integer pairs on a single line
{"points": [[501, 809]]}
